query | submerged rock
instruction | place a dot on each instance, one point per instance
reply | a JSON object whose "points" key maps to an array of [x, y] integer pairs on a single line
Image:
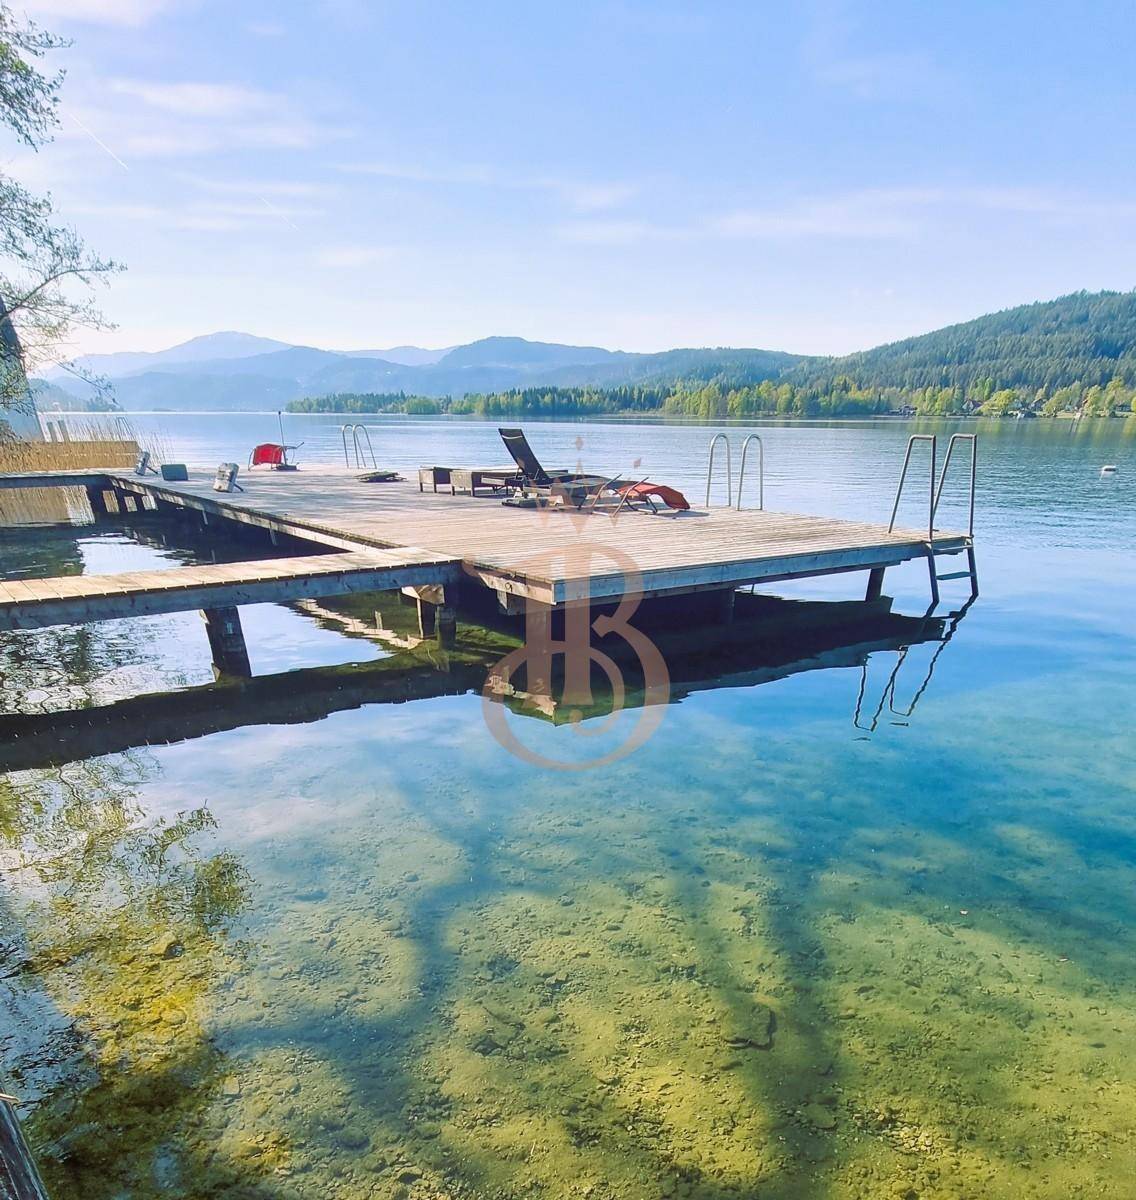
{"points": [[757, 1034], [167, 946], [820, 1116]]}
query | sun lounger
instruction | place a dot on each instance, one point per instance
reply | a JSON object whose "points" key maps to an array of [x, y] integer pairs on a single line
{"points": [[571, 489]]}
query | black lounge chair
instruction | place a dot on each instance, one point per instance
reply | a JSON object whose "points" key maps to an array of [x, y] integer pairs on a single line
{"points": [[532, 478], [528, 464]]}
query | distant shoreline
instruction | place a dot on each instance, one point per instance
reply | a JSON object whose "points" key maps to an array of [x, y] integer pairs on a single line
{"points": [[638, 418]]}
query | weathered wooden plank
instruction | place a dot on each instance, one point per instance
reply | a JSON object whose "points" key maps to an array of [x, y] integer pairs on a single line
{"points": [[47, 479]]}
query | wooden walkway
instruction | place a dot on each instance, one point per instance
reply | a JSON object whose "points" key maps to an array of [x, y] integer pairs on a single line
{"points": [[554, 556], [73, 600]]}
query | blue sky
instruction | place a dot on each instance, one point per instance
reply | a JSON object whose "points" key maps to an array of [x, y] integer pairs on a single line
{"points": [[816, 177]]}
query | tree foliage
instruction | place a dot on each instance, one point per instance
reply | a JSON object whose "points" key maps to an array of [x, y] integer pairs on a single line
{"points": [[46, 271]]}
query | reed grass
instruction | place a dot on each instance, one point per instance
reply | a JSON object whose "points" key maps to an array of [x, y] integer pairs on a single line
{"points": [[98, 441]]}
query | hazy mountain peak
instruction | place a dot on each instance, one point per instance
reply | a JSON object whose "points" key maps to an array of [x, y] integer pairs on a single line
{"points": [[228, 343], [405, 356], [519, 352], [207, 347]]}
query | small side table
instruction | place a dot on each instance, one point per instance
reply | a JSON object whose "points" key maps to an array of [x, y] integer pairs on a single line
{"points": [[469, 479], [433, 476]]}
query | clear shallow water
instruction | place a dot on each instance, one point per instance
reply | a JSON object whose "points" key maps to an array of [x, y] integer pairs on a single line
{"points": [[768, 953]]}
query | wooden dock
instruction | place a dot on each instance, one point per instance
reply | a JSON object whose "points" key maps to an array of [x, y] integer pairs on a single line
{"points": [[382, 536], [555, 557]]}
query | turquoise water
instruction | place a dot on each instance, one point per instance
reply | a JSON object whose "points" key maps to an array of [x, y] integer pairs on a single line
{"points": [[775, 951]]}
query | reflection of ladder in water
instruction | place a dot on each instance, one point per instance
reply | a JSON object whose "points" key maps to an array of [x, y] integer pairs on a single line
{"points": [[887, 696], [934, 496]]}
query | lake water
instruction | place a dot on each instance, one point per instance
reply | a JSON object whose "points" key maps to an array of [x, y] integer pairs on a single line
{"points": [[801, 943]]}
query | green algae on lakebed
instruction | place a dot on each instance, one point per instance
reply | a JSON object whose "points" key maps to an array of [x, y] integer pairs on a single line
{"points": [[562, 997]]}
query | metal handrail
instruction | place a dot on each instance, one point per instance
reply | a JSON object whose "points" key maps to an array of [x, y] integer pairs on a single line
{"points": [[753, 437], [934, 440], [360, 458], [370, 448], [959, 437], [729, 470]]}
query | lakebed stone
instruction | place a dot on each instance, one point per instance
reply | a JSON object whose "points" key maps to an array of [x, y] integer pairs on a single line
{"points": [[755, 1034]]}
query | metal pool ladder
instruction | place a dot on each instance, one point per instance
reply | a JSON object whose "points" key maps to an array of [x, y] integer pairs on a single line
{"points": [[934, 496], [720, 437], [730, 503], [361, 453]]}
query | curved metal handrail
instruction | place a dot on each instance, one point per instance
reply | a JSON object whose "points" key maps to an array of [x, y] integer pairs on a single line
{"points": [[370, 449], [360, 457], [753, 437], [934, 440], [729, 470], [959, 437]]}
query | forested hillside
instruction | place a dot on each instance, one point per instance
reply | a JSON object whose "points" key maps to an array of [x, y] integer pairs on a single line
{"points": [[1076, 354], [1056, 355]]}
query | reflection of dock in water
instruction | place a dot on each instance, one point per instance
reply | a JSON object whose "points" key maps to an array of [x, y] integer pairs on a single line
{"points": [[770, 639]]}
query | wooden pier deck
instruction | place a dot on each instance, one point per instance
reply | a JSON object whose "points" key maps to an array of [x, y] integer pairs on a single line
{"points": [[552, 556], [77, 599]]}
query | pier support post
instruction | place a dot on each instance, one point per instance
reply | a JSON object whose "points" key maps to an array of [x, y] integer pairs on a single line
{"points": [[446, 621], [726, 599], [96, 497], [875, 583], [227, 641], [427, 617], [437, 614]]}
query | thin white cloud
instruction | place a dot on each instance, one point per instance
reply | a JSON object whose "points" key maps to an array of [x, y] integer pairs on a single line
{"points": [[1060, 206], [619, 233], [580, 194], [192, 121], [353, 256], [871, 214], [592, 195], [832, 59], [257, 213], [199, 99], [123, 13], [285, 189], [415, 174]]}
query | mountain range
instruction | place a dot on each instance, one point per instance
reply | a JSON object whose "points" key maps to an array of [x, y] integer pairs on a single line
{"points": [[250, 372], [1082, 340]]}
